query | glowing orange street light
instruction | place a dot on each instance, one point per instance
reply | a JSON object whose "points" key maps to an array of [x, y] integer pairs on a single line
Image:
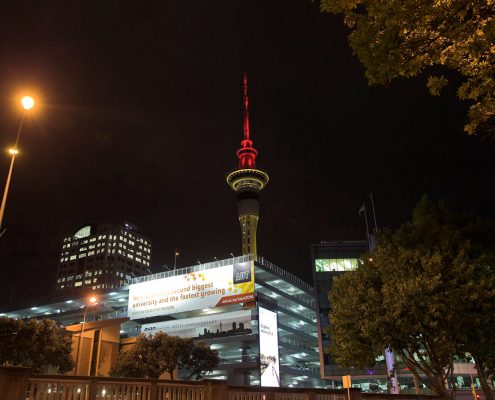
{"points": [[91, 301], [27, 104]]}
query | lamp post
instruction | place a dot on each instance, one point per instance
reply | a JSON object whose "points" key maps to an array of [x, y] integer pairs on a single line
{"points": [[27, 103], [176, 253], [92, 301]]}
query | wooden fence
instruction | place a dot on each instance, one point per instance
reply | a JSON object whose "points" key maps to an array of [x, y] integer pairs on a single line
{"points": [[21, 384]]}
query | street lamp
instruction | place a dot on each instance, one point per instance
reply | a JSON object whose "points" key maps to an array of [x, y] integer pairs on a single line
{"points": [[91, 301], [176, 253], [27, 103]]}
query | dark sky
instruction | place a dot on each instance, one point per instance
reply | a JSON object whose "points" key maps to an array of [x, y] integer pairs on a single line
{"points": [[141, 115]]}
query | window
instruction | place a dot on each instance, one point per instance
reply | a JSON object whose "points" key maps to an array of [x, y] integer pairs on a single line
{"points": [[79, 283], [336, 264]]}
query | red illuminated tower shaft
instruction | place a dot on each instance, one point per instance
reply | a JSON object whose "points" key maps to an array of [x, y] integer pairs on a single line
{"points": [[247, 181]]}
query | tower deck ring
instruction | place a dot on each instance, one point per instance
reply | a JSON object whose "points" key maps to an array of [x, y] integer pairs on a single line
{"points": [[247, 177]]}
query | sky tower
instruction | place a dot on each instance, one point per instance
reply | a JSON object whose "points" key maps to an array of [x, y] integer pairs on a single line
{"points": [[247, 181]]}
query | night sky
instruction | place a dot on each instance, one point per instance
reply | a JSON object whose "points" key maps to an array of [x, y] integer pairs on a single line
{"points": [[140, 115]]}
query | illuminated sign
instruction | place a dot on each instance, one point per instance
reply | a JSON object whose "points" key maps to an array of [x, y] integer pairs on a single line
{"points": [[205, 327], [269, 360], [213, 287]]}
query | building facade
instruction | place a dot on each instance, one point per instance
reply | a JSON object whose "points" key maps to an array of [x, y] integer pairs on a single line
{"points": [[260, 318], [329, 260], [102, 257]]}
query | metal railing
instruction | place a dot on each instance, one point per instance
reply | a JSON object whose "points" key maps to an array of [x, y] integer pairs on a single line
{"points": [[228, 261]]}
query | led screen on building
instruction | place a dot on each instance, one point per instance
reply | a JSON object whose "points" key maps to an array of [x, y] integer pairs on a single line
{"points": [[336, 264], [205, 327], [269, 361], [213, 287]]}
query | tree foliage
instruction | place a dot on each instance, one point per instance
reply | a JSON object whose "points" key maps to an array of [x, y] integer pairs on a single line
{"points": [[401, 38], [38, 344], [428, 291], [151, 356]]}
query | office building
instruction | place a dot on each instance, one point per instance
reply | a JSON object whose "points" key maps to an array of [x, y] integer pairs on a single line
{"points": [[102, 257], [331, 259]]}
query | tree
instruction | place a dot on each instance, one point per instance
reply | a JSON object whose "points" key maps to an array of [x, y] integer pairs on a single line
{"points": [[402, 38], [203, 360], [175, 352], [426, 291], [140, 361], [38, 344], [151, 356]]}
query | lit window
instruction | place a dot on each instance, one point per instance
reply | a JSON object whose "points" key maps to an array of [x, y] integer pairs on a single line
{"points": [[73, 257], [78, 283], [83, 232], [82, 255], [87, 281], [339, 264], [90, 253]]}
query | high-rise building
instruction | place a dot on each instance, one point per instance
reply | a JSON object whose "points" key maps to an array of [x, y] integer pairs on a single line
{"points": [[331, 259], [247, 181], [102, 256]]}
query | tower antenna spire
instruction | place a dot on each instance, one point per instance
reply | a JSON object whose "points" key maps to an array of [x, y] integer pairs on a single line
{"points": [[246, 108], [247, 153]]}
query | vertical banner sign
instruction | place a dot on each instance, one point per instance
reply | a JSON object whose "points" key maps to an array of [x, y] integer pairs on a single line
{"points": [[392, 376], [269, 360]]}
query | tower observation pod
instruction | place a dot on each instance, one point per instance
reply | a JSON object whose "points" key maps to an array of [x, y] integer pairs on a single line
{"points": [[247, 181]]}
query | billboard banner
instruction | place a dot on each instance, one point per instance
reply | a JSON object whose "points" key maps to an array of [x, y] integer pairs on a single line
{"points": [[268, 336], [213, 287], [205, 327]]}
